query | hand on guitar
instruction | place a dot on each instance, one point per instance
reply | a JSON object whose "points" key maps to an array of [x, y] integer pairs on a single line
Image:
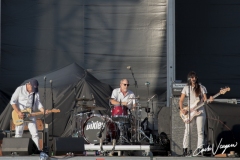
{"points": [[210, 99], [20, 115], [184, 111]]}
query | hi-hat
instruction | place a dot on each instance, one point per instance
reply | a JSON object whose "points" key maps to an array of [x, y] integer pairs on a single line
{"points": [[95, 108], [83, 99], [109, 98], [134, 98]]}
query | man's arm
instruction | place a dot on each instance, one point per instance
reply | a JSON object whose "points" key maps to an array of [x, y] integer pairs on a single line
{"points": [[14, 101], [115, 102]]}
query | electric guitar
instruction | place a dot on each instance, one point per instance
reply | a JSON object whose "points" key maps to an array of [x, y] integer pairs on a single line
{"points": [[26, 114], [196, 105]]}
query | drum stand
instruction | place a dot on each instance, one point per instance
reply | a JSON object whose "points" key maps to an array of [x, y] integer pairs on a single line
{"points": [[123, 130], [139, 134]]}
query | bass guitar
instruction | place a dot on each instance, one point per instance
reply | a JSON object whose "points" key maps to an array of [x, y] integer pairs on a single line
{"points": [[196, 105], [26, 114]]}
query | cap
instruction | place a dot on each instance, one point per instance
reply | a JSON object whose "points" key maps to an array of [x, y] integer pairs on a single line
{"points": [[34, 84]]}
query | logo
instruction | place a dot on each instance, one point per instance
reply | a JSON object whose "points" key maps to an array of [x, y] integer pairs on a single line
{"points": [[94, 125]]}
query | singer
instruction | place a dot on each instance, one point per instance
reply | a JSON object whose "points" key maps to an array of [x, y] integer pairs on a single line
{"points": [[197, 93], [27, 97]]}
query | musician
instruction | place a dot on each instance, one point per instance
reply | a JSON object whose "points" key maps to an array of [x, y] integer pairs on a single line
{"points": [[121, 96], [197, 93], [27, 96]]}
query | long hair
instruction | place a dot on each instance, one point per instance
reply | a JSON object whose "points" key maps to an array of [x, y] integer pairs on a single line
{"points": [[197, 88]]}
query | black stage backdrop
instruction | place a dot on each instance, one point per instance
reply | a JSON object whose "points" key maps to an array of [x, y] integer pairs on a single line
{"points": [[207, 41], [104, 36]]}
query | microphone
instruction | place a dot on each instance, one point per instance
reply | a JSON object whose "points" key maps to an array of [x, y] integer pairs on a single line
{"points": [[50, 81], [147, 83], [152, 97], [129, 67], [44, 78]]}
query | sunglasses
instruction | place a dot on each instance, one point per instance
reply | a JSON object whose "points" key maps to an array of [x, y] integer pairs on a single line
{"points": [[126, 84]]}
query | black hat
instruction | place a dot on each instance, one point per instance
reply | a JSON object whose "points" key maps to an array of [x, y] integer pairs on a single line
{"points": [[34, 84]]}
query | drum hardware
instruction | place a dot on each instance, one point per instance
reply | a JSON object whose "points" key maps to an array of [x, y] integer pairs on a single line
{"points": [[93, 128], [145, 136], [123, 133]]}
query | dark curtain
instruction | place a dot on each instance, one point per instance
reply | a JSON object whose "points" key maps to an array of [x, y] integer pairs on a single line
{"points": [[207, 41]]}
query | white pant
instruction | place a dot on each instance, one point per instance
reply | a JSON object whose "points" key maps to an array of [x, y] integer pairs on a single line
{"points": [[200, 122], [33, 130]]}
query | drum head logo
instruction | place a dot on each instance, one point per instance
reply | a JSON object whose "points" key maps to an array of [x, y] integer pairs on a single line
{"points": [[94, 125]]}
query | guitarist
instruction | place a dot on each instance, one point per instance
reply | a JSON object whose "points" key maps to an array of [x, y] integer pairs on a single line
{"points": [[27, 96], [197, 93]]}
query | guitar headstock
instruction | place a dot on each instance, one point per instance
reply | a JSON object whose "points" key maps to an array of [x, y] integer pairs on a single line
{"points": [[224, 90]]}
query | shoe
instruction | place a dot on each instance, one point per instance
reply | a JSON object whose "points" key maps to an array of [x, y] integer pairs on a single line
{"points": [[184, 152]]}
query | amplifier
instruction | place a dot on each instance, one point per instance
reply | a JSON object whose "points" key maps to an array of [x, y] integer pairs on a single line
{"points": [[177, 88]]}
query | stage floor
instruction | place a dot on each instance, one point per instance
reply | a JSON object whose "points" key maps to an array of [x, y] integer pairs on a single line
{"points": [[107, 158]]}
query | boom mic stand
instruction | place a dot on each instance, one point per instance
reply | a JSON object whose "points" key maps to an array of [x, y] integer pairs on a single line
{"points": [[45, 147], [135, 82], [52, 108], [189, 129]]}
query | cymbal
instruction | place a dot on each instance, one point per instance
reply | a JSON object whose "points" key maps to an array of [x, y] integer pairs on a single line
{"points": [[135, 98], [109, 98], [83, 99], [141, 107], [87, 107]]}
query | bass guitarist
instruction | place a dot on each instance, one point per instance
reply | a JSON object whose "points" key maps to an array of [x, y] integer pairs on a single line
{"points": [[197, 94], [27, 97]]}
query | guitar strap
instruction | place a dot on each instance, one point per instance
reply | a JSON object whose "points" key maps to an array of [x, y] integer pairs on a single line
{"points": [[33, 100]]}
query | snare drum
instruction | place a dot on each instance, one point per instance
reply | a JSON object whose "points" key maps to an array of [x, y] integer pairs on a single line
{"points": [[92, 127]]}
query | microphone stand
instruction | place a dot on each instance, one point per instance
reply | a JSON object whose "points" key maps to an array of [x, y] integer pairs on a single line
{"points": [[52, 108], [189, 129], [45, 147], [135, 82]]}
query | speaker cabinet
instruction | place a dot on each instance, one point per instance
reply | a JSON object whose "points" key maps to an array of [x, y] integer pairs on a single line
{"points": [[178, 127], [64, 145], [19, 146]]}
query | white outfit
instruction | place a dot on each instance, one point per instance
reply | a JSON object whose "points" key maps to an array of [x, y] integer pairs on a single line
{"points": [[118, 96], [198, 120], [23, 99]]}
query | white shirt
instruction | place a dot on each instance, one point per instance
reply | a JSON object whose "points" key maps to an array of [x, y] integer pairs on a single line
{"points": [[23, 99], [118, 96], [193, 97]]}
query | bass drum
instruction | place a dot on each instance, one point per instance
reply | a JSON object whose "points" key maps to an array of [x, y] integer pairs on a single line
{"points": [[93, 125]]}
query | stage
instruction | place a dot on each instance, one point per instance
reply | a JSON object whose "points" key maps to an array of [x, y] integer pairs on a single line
{"points": [[108, 158]]}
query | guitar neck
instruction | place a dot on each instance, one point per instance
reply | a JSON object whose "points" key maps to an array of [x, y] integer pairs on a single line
{"points": [[39, 113], [201, 104]]}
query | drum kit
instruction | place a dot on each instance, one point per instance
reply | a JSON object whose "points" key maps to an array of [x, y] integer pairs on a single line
{"points": [[123, 126]]}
